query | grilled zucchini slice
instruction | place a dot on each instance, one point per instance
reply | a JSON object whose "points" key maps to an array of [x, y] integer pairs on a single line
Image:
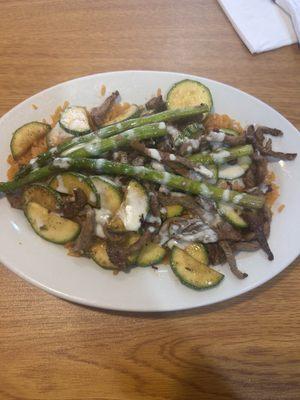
{"points": [[232, 216], [192, 273], [110, 193], [132, 258], [43, 195], [24, 137], [189, 93], [49, 225], [75, 120], [98, 252], [132, 111], [68, 181], [151, 254], [198, 252]]}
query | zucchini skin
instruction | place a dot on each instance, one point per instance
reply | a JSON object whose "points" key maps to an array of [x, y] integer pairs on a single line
{"points": [[151, 254], [36, 192], [204, 95], [33, 209], [180, 256], [109, 193], [198, 251], [226, 211], [67, 129], [21, 140], [98, 253], [87, 185], [132, 112]]}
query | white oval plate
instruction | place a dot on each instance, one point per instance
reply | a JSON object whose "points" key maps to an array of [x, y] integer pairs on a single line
{"points": [[47, 266]]}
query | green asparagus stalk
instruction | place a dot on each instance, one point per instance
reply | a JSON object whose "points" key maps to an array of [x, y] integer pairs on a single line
{"points": [[97, 147], [222, 156], [102, 166], [111, 130], [49, 155], [165, 116]]}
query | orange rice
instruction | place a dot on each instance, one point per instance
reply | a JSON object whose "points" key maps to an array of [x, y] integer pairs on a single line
{"points": [[14, 165], [217, 121]]}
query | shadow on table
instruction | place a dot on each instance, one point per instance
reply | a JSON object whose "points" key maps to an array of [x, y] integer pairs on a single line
{"points": [[175, 374], [205, 309]]}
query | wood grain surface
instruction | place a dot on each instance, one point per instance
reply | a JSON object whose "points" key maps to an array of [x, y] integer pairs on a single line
{"points": [[245, 348]]}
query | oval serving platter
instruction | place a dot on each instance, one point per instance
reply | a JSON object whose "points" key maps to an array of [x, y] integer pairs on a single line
{"points": [[47, 266]]}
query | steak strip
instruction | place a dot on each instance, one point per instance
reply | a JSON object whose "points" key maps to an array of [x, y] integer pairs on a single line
{"points": [[156, 103], [231, 260], [85, 239], [72, 205], [257, 139], [98, 114], [256, 225]]}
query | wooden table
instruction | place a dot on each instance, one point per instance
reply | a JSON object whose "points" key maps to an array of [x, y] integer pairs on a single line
{"points": [[246, 348]]}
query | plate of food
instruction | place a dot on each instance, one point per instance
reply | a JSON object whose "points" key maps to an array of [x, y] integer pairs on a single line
{"points": [[148, 191]]}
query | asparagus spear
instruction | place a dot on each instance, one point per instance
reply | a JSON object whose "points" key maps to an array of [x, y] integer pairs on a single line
{"points": [[221, 157], [165, 116], [102, 166], [97, 146], [163, 156], [111, 130]]}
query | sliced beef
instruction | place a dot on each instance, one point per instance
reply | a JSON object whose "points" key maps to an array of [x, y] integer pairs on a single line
{"points": [[15, 199], [230, 258], [86, 237], [256, 225], [249, 178], [154, 203], [156, 104], [72, 205], [98, 114], [264, 146], [256, 174], [270, 131], [216, 254], [261, 169], [246, 246], [226, 231], [267, 216], [235, 140], [118, 254]]}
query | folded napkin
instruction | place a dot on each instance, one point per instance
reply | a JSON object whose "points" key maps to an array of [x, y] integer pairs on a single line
{"points": [[261, 24], [292, 7]]}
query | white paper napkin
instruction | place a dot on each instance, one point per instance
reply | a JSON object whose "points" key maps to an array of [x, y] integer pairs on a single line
{"points": [[261, 24], [292, 7]]}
